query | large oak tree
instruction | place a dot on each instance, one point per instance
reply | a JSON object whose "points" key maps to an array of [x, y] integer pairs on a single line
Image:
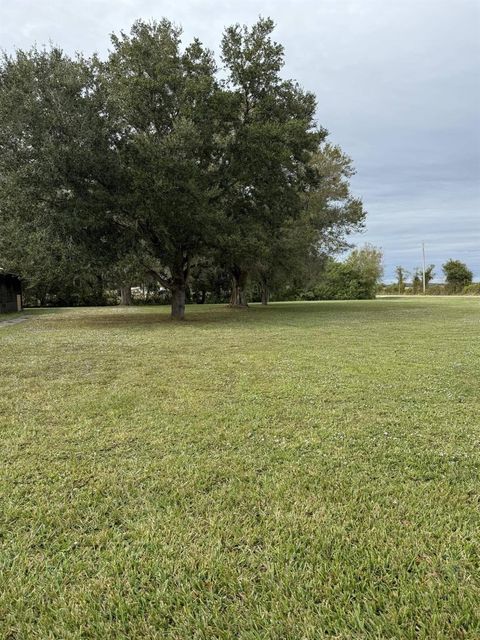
{"points": [[147, 163], [165, 103], [266, 162], [57, 170]]}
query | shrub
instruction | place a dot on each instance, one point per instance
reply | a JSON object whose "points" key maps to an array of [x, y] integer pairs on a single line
{"points": [[341, 281], [390, 289], [437, 290], [472, 289]]}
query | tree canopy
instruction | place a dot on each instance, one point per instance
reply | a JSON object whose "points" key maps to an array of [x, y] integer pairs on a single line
{"points": [[457, 274], [156, 163]]}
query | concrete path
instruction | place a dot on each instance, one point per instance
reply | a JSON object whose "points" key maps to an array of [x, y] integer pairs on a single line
{"points": [[6, 323]]}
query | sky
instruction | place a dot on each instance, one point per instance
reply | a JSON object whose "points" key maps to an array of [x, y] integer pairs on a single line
{"points": [[397, 84]]}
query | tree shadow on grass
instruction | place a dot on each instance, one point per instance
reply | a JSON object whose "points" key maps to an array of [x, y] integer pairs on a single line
{"points": [[288, 313], [41, 311], [96, 318]]}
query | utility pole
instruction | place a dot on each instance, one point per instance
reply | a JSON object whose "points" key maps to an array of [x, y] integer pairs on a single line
{"points": [[423, 252]]}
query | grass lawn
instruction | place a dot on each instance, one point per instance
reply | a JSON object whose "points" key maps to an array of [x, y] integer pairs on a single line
{"points": [[299, 471]]}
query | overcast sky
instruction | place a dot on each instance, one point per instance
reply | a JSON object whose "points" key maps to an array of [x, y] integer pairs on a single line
{"points": [[397, 83]]}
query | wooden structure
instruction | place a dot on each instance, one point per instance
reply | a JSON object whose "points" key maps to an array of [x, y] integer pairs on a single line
{"points": [[10, 293]]}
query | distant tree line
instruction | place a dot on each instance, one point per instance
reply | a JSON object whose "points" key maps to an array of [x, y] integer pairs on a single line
{"points": [[458, 280], [163, 167]]}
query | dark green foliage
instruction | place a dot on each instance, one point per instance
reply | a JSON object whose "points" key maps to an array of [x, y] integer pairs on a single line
{"points": [[166, 102], [354, 279], [57, 171], [209, 283], [146, 164], [342, 281], [457, 275], [297, 252], [267, 160]]}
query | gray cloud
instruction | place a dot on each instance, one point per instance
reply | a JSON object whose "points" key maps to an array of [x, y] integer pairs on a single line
{"points": [[398, 87]]}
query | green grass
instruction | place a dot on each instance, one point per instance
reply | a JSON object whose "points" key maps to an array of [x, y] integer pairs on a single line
{"points": [[293, 472]]}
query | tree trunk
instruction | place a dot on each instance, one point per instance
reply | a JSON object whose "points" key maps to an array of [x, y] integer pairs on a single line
{"points": [[178, 287], [239, 280], [125, 296], [265, 294], [178, 302]]}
